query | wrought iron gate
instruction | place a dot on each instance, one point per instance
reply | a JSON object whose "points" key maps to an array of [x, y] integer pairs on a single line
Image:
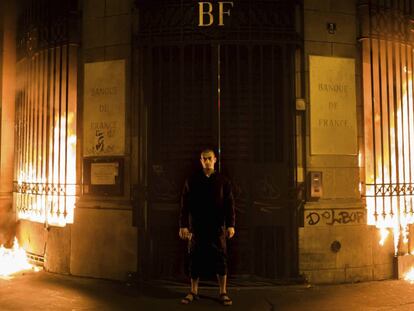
{"points": [[45, 144], [388, 64], [232, 88]]}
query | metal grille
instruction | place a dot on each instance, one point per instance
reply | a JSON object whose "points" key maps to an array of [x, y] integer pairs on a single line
{"points": [[230, 87], [253, 99], [45, 144], [388, 64], [181, 78]]}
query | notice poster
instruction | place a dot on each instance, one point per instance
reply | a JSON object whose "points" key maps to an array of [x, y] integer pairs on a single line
{"points": [[104, 173]]}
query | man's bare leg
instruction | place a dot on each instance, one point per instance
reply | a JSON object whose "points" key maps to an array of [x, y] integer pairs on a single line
{"points": [[194, 286], [224, 298], [193, 294], [222, 280]]}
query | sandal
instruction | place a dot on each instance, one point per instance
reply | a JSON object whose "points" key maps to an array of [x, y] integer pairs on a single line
{"points": [[189, 298], [225, 300]]}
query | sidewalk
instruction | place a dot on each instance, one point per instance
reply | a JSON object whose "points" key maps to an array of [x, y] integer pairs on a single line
{"points": [[45, 291]]}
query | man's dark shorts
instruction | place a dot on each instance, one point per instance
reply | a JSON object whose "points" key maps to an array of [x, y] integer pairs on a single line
{"points": [[208, 255]]}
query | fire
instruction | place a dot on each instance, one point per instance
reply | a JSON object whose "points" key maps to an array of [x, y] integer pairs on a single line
{"points": [[384, 234], [45, 145], [409, 276], [388, 165], [13, 260], [54, 206]]}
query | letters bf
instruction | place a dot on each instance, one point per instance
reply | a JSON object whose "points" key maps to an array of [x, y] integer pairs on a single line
{"points": [[206, 16]]}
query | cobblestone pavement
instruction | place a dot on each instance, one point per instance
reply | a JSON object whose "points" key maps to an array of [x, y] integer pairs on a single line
{"points": [[46, 291]]}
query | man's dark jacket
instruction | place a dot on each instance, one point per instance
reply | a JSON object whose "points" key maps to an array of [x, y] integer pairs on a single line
{"points": [[207, 208], [207, 204]]}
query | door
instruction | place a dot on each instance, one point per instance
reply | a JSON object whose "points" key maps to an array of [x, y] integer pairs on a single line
{"points": [[235, 92]]}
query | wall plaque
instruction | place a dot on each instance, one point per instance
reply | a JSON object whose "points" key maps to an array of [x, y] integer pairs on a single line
{"points": [[103, 176], [104, 109], [104, 173], [332, 105]]}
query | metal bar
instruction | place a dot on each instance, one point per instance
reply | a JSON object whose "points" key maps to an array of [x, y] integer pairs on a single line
{"points": [[409, 117], [35, 101], [396, 121], [59, 129], [381, 127], [412, 124], [402, 154], [219, 106], [273, 103], [48, 116], [406, 120], [371, 103], [29, 170], [283, 134], [262, 103], [44, 123], [52, 135], [65, 211], [391, 145], [400, 137]]}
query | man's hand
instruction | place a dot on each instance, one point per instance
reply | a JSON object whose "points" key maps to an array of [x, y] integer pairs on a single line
{"points": [[184, 233], [230, 232]]}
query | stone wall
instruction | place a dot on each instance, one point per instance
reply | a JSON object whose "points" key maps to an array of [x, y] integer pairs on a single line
{"points": [[7, 95], [103, 238], [335, 244]]}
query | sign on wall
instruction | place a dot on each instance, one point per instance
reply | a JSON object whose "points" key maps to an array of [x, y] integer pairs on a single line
{"points": [[104, 109], [332, 106]]}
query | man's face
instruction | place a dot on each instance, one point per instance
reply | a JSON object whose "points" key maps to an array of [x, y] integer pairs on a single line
{"points": [[208, 159]]}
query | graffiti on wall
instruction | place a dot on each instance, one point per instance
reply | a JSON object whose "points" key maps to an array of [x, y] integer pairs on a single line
{"points": [[331, 217]]}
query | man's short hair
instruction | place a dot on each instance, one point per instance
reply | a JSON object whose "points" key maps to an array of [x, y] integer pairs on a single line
{"points": [[208, 149]]}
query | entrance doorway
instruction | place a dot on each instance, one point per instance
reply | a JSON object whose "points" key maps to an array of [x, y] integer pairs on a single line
{"points": [[237, 95]]}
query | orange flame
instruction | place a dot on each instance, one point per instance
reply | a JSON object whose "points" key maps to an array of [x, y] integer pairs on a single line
{"points": [[384, 234], [389, 210], [64, 176], [13, 260], [409, 276]]}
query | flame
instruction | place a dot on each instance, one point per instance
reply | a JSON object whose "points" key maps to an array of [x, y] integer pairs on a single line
{"points": [[13, 260], [45, 165], [384, 234], [409, 276], [388, 147], [50, 206]]}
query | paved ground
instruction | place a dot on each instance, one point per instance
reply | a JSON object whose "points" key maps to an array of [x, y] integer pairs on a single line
{"points": [[45, 291]]}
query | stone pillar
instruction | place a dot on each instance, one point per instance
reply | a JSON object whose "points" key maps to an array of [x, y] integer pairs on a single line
{"points": [[7, 98], [336, 244], [104, 240]]}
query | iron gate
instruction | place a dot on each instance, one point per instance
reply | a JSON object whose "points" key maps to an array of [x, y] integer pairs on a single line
{"points": [[232, 88]]}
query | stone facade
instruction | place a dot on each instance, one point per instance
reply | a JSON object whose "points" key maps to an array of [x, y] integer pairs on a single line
{"points": [[103, 229], [339, 215], [102, 241], [7, 89], [335, 242]]}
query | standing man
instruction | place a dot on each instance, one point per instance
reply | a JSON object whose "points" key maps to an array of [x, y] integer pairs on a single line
{"points": [[207, 218]]}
